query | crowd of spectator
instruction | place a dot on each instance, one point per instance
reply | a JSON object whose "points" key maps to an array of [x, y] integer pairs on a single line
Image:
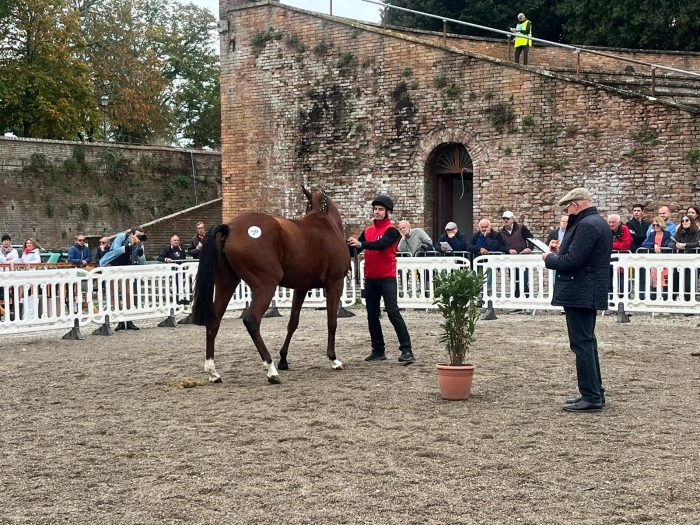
{"points": [[660, 234]]}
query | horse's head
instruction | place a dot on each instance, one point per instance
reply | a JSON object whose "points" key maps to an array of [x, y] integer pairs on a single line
{"points": [[317, 201], [320, 202]]}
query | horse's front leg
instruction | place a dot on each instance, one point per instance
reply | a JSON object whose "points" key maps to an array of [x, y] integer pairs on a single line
{"points": [[333, 292], [262, 295], [297, 303]]}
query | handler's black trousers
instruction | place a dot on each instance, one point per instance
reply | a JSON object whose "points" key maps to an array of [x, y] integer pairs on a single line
{"points": [[375, 290], [524, 50], [581, 325]]}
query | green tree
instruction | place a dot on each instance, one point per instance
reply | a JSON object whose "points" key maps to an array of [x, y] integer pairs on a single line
{"points": [[46, 85], [192, 68], [635, 24], [638, 24], [490, 13], [126, 67]]}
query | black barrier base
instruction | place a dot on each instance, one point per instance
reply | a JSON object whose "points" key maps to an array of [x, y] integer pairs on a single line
{"points": [[168, 322], [622, 316], [186, 320], [105, 328], [272, 311], [344, 312], [489, 315], [74, 334]]}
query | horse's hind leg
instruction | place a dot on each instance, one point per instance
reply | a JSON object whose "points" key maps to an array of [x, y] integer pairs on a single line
{"points": [[224, 291], [262, 295], [333, 292], [297, 303]]}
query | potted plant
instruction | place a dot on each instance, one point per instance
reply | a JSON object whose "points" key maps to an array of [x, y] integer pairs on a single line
{"points": [[456, 294]]}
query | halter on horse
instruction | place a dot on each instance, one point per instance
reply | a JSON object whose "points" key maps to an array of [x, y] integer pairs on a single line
{"points": [[266, 252]]}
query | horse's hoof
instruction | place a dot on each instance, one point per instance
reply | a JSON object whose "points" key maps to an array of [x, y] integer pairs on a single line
{"points": [[274, 380], [341, 367], [283, 365], [217, 380]]}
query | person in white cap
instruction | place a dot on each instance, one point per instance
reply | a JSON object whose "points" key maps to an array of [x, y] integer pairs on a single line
{"points": [[514, 237], [523, 40], [582, 263], [455, 240]]}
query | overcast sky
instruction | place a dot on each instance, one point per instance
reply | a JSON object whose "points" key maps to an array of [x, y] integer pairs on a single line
{"points": [[356, 9]]}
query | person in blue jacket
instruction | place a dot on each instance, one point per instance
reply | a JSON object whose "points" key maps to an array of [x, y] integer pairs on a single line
{"points": [[79, 254], [126, 249]]}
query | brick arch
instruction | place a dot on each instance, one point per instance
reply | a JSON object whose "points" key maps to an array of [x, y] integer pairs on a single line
{"points": [[422, 164]]}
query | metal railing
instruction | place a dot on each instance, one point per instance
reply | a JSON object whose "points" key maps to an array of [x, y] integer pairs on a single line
{"points": [[576, 49]]}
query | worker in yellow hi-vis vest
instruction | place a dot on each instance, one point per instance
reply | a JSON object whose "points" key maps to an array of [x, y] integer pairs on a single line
{"points": [[523, 39]]}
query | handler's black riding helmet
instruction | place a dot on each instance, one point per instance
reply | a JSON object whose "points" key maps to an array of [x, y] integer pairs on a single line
{"points": [[384, 200]]}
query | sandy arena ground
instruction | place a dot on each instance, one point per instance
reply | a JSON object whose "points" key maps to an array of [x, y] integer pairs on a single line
{"points": [[101, 430]]}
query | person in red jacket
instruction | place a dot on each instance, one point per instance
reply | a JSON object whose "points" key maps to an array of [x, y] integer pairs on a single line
{"points": [[622, 238], [381, 240]]}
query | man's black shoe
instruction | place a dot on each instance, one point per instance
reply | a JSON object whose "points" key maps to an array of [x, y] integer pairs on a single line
{"points": [[120, 326], [583, 406], [131, 326], [407, 357], [572, 401], [375, 357]]}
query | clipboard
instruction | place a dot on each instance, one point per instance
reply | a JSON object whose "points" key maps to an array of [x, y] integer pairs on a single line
{"points": [[446, 245], [539, 245]]}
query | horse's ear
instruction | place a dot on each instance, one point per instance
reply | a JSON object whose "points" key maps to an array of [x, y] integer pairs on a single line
{"points": [[307, 193]]}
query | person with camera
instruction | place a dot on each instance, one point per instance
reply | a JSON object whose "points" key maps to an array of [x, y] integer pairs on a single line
{"points": [[126, 249]]}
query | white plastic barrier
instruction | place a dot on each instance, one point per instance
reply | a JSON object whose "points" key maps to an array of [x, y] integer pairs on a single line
{"points": [[415, 278], [40, 299], [516, 282], [128, 293], [656, 283]]}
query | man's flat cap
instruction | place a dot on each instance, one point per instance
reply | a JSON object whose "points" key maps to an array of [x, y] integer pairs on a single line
{"points": [[577, 194]]}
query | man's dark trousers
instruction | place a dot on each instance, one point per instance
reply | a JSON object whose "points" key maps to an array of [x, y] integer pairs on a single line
{"points": [[524, 50], [375, 290], [581, 325]]}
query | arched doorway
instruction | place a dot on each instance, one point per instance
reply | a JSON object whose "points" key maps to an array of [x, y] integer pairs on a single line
{"points": [[453, 193]]}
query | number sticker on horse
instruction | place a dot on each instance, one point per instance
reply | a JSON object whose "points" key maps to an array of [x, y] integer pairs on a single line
{"points": [[254, 232]]}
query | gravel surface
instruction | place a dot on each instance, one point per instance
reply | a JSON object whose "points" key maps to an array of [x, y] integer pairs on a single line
{"points": [[125, 429]]}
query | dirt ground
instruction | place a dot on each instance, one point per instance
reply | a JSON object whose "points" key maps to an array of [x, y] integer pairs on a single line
{"points": [[101, 430]]}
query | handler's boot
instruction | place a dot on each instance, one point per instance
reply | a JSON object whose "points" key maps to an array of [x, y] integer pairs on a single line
{"points": [[376, 356], [131, 326], [407, 357]]}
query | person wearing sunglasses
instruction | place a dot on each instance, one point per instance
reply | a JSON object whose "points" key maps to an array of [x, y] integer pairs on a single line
{"points": [[79, 254], [101, 249], [582, 264], [658, 238], [687, 236]]}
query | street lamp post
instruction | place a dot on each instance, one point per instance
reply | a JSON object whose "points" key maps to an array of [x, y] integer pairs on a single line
{"points": [[104, 102]]}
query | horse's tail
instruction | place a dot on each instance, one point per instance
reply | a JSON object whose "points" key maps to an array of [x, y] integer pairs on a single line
{"points": [[203, 304]]}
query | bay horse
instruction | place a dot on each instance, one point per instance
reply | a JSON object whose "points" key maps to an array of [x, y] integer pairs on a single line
{"points": [[267, 252]]}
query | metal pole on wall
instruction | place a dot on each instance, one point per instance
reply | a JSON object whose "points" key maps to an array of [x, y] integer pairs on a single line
{"points": [[194, 177], [331, 8], [104, 102]]}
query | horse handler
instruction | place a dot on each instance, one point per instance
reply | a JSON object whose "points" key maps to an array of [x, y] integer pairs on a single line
{"points": [[381, 241]]}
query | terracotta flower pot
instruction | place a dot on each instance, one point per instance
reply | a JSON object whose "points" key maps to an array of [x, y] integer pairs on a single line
{"points": [[455, 381]]}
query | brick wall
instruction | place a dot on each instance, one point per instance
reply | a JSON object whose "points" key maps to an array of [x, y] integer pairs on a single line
{"points": [[183, 224], [54, 189], [358, 110]]}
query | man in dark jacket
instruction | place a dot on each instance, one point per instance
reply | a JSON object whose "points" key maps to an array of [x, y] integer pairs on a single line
{"points": [[582, 263], [381, 240], [485, 240], [638, 226], [452, 237], [197, 241]]}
